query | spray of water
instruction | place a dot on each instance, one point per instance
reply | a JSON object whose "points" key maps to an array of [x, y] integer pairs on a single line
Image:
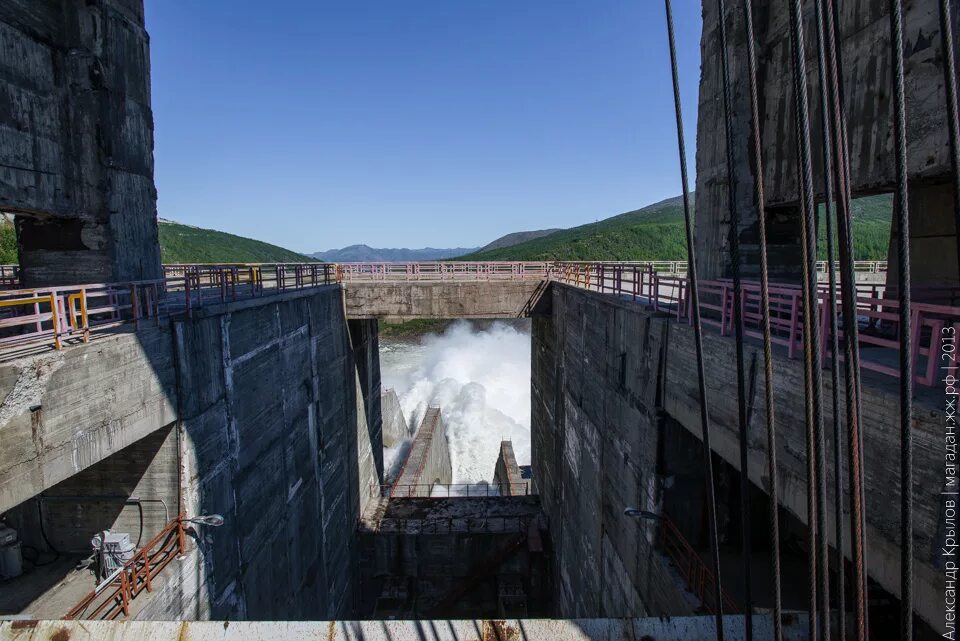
{"points": [[481, 381]]}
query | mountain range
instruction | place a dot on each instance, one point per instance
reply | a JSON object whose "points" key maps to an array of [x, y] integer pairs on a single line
{"points": [[367, 254]]}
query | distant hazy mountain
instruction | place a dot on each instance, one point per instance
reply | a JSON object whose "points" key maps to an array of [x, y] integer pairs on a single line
{"points": [[516, 238], [366, 254]]}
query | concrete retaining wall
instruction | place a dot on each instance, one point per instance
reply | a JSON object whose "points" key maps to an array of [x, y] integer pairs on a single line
{"points": [[395, 428], [405, 301], [65, 411], [596, 381], [428, 461], [619, 366], [276, 439], [418, 552], [506, 474], [76, 509]]}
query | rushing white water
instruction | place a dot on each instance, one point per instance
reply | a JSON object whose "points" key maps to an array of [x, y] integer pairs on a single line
{"points": [[481, 381]]}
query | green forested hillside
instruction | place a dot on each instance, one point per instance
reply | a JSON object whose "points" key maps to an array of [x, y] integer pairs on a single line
{"points": [[656, 232], [186, 244], [8, 244]]}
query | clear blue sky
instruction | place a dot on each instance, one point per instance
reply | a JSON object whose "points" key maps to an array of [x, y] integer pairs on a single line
{"points": [[315, 124]]}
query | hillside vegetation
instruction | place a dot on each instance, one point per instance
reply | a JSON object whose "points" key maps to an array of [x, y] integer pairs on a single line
{"points": [[656, 232], [8, 244], [186, 244]]}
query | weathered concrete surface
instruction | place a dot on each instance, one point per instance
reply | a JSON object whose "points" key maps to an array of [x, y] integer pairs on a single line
{"points": [[506, 474], [596, 381], [276, 438], [866, 64], [428, 460], [402, 301], [701, 628], [416, 553], [395, 427], [79, 507], [266, 411], [602, 351], [76, 140], [65, 411]]}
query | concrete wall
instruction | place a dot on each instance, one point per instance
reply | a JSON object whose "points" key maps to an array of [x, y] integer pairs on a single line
{"points": [[417, 553], [449, 299], [265, 411], [865, 33], [64, 411], [76, 140], [395, 427], [596, 390], [428, 460], [647, 366], [276, 439], [97, 498], [506, 474]]}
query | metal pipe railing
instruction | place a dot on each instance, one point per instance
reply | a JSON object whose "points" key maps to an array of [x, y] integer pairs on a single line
{"points": [[111, 599]]}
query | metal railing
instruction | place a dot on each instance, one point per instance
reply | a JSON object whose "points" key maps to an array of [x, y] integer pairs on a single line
{"points": [[52, 315], [112, 598], [448, 490], [696, 573], [442, 271], [876, 304], [456, 525]]}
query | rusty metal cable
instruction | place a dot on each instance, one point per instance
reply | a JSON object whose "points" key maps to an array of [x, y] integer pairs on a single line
{"points": [[734, 240], [851, 329], [760, 199], [902, 215], [832, 310], [808, 408], [953, 121], [811, 331], [697, 331]]}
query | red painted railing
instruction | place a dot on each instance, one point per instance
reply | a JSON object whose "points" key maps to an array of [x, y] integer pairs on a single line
{"points": [[877, 309], [447, 490], [50, 316], [442, 271], [111, 599], [698, 576]]}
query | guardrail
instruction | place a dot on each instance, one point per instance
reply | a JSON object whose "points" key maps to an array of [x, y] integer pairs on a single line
{"points": [[690, 564], [877, 308], [52, 315], [112, 598], [448, 490], [456, 525], [442, 271]]}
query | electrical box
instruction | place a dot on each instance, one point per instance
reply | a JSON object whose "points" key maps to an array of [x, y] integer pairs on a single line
{"points": [[112, 550], [11, 555]]}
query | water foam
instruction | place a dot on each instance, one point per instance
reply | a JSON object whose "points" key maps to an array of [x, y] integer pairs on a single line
{"points": [[481, 380]]}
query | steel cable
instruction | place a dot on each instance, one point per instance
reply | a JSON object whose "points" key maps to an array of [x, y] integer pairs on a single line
{"points": [[734, 240], [760, 199], [808, 392], [811, 331], [697, 330], [850, 327], [832, 310], [902, 206]]}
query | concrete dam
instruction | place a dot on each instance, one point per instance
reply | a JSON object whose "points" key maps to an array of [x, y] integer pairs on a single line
{"points": [[189, 451]]}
